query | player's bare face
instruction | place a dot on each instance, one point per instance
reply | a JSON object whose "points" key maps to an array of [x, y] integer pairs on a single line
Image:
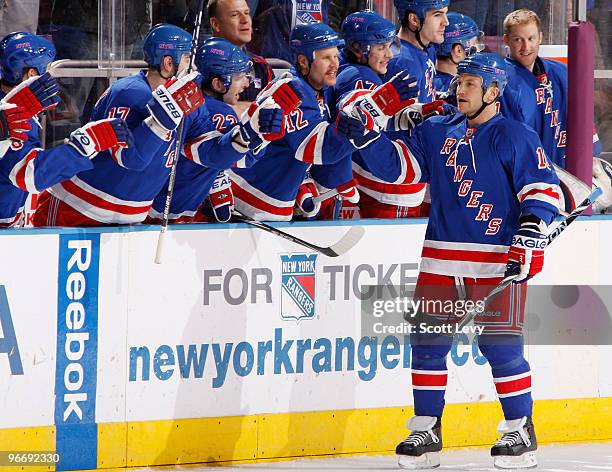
{"points": [[324, 68], [469, 94], [239, 84], [433, 27], [379, 57], [524, 43], [233, 22]]}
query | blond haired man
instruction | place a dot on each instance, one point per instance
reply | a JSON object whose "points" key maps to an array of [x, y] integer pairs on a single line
{"points": [[537, 88]]}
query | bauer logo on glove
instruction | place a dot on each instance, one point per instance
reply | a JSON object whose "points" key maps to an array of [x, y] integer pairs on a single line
{"points": [[165, 100]]}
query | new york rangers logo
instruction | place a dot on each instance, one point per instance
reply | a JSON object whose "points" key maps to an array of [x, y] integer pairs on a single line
{"points": [[298, 286], [307, 11]]}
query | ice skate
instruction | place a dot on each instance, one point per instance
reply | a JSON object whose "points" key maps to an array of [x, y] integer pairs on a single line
{"points": [[516, 448], [421, 449]]}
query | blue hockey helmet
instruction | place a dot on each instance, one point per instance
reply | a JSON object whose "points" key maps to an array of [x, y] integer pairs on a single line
{"points": [[217, 57], [420, 7], [308, 38], [489, 66], [166, 40], [20, 51], [368, 29], [460, 30]]}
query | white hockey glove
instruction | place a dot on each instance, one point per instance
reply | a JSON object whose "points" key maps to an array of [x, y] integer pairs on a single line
{"points": [[100, 135], [413, 115], [171, 101], [388, 99]]}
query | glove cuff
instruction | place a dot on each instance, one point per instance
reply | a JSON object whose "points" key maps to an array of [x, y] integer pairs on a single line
{"points": [[157, 129]]}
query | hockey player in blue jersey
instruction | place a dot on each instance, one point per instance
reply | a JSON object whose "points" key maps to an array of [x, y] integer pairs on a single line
{"points": [[492, 197], [368, 38], [122, 185], [423, 23], [226, 71], [462, 37], [27, 89], [537, 87], [268, 189]]}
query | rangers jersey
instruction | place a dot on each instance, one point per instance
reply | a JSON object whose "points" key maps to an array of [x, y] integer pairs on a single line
{"points": [[28, 168], [380, 185], [442, 81], [420, 63], [539, 99], [481, 180], [193, 179], [122, 184], [267, 190]]}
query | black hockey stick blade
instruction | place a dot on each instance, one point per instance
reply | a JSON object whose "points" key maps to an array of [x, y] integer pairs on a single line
{"points": [[556, 231], [344, 244]]}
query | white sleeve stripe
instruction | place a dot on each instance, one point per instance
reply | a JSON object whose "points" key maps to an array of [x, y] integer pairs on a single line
{"points": [[543, 198], [22, 174], [537, 186], [191, 149], [117, 154], [306, 152], [408, 161]]}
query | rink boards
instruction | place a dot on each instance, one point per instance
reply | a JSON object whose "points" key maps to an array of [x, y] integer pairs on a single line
{"points": [[243, 346]]}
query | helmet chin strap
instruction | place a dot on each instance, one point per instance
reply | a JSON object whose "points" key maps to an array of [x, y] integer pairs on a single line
{"points": [[481, 109], [417, 34]]}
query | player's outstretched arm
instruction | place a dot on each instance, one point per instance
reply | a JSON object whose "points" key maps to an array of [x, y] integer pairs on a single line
{"points": [[389, 160], [168, 105], [264, 122], [34, 169]]}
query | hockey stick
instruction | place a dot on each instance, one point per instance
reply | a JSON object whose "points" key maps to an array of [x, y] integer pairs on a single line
{"points": [[177, 146], [334, 191], [557, 230], [347, 242], [325, 195]]}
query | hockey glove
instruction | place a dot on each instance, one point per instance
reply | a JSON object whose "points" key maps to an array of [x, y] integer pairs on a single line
{"points": [[355, 128], [101, 135], [526, 255], [35, 94], [259, 124], [415, 114], [13, 122], [173, 100], [221, 197], [348, 191], [387, 99], [304, 200], [285, 92]]}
